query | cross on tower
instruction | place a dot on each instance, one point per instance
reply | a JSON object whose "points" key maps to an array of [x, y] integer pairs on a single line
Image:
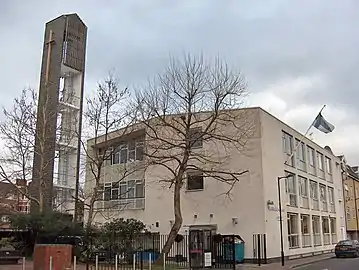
{"points": [[48, 43]]}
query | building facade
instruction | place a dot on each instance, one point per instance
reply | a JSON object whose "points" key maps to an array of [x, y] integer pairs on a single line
{"points": [[12, 200], [313, 218], [351, 199]]}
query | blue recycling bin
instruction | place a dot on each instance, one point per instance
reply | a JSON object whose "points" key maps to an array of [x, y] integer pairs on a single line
{"points": [[145, 256], [238, 250]]}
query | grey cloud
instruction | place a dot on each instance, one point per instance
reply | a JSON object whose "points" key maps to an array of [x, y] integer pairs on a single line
{"points": [[269, 40]]}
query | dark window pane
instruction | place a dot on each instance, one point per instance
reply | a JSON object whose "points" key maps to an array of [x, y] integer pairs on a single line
{"points": [[131, 188], [131, 145], [131, 155], [107, 194], [139, 190], [114, 194], [115, 158], [115, 184], [194, 181], [131, 192], [123, 156], [195, 137], [139, 153], [123, 192]]}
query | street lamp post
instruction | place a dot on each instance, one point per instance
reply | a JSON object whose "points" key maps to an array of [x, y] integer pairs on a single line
{"points": [[280, 218]]}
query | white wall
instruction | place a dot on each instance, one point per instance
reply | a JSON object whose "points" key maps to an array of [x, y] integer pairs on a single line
{"points": [[245, 202], [264, 160], [273, 167]]}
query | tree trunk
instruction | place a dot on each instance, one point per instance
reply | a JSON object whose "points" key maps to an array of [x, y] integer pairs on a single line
{"points": [[87, 236], [176, 225]]}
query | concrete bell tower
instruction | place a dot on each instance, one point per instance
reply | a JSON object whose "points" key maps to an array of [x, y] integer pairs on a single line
{"points": [[55, 173]]}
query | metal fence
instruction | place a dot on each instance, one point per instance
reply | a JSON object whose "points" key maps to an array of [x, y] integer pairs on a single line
{"points": [[135, 252], [144, 252]]}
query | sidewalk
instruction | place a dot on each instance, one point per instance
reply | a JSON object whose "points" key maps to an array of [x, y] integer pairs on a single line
{"points": [[291, 264]]}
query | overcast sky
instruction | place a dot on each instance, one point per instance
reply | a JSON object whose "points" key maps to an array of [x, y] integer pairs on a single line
{"points": [[296, 54]]}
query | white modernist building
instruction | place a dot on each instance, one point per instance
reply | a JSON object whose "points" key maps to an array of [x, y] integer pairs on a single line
{"points": [[312, 198]]}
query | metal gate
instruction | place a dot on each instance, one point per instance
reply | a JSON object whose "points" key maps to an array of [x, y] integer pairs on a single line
{"points": [[208, 250]]}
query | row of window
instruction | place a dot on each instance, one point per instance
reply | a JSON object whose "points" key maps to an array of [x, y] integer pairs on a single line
{"points": [[134, 150], [128, 152], [311, 194], [305, 158], [121, 195], [314, 230], [135, 188], [122, 190]]}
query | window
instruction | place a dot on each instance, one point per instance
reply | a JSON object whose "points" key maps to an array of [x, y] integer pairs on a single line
{"points": [[316, 230], [195, 138], [195, 181], [291, 189], [128, 152], [333, 230], [301, 155], [328, 165], [311, 160], [303, 189], [331, 199], [139, 150], [305, 224], [107, 192], [114, 191], [131, 151], [287, 148], [325, 229], [115, 157], [314, 195], [323, 197], [305, 229], [128, 194], [320, 161], [320, 165], [123, 153], [303, 192], [293, 230], [325, 224]]}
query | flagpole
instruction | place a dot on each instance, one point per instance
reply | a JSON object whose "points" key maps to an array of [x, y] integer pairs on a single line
{"points": [[305, 134]]}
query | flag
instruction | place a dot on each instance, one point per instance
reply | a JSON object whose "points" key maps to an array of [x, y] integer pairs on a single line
{"points": [[323, 125]]}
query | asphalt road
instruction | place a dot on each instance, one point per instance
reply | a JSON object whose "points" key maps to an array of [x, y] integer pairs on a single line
{"points": [[333, 264]]}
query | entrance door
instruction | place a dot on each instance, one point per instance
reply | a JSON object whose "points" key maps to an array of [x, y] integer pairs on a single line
{"points": [[200, 248]]}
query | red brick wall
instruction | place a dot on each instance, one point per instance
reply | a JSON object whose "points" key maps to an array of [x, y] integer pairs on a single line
{"points": [[61, 257]]}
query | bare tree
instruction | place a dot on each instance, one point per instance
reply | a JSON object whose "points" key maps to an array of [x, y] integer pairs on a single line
{"points": [[107, 118], [193, 126], [18, 132]]}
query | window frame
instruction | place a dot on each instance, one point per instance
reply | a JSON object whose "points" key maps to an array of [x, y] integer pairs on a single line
{"points": [[301, 178], [190, 175], [328, 165], [288, 148], [311, 156], [195, 138], [124, 152], [320, 159]]}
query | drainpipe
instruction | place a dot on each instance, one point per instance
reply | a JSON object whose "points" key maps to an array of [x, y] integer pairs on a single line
{"points": [[345, 201], [356, 209]]}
